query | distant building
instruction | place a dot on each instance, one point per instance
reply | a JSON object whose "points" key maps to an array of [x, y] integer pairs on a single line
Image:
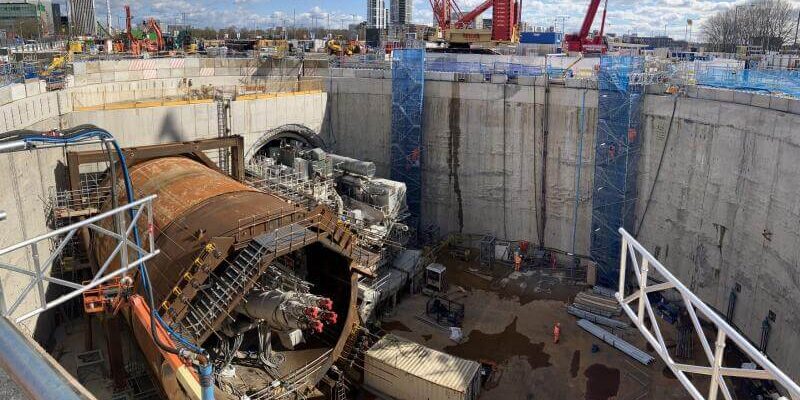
{"points": [[401, 12], [410, 32], [654, 41], [83, 19], [27, 18], [377, 14], [59, 27], [487, 23], [178, 27]]}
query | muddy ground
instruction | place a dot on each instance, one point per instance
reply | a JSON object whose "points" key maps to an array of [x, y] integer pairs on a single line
{"points": [[509, 320]]}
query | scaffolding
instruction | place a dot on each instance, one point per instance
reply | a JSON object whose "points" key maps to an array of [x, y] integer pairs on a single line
{"points": [[408, 78], [762, 80], [616, 161]]}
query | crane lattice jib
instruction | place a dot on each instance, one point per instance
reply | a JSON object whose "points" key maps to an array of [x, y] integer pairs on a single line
{"points": [[470, 16]]}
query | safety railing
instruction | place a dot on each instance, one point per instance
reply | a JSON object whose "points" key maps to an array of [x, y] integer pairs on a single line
{"points": [[267, 88], [141, 98], [777, 81], [142, 211], [368, 61], [644, 266], [18, 72]]}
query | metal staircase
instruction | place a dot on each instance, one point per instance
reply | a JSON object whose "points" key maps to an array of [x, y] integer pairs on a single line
{"points": [[217, 299], [214, 300]]}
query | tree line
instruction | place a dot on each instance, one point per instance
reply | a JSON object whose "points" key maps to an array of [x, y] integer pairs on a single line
{"points": [[771, 24]]}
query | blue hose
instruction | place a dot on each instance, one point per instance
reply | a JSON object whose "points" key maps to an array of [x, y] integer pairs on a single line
{"points": [[145, 277], [206, 372]]}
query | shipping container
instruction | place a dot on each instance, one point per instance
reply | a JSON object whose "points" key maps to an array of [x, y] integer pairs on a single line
{"points": [[404, 370], [540, 37]]}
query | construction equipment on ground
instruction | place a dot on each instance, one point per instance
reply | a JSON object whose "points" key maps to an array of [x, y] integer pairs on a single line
{"points": [[462, 32], [148, 38], [581, 42], [342, 47], [75, 46], [58, 63]]}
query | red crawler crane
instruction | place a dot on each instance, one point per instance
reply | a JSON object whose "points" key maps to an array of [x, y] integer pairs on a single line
{"points": [[580, 41], [505, 17]]}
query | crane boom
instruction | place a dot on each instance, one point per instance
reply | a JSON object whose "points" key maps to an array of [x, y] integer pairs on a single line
{"points": [[588, 19], [506, 16], [603, 23], [470, 16], [580, 41]]}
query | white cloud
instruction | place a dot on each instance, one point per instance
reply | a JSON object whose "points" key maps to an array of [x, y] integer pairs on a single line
{"points": [[642, 16]]}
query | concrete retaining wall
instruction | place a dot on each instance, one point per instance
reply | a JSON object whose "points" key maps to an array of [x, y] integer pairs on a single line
{"points": [[112, 71], [724, 211]]}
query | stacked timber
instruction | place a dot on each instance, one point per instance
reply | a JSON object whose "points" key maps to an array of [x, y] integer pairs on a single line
{"points": [[597, 304]]}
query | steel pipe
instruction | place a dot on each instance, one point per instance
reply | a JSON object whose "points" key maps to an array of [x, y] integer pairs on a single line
{"points": [[15, 145], [34, 371]]}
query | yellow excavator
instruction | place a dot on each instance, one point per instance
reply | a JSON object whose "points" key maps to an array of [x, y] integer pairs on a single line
{"points": [[341, 47], [58, 63]]}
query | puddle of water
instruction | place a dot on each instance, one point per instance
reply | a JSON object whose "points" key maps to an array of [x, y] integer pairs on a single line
{"points": [[575, 364], [501, 347], [602, 382], [523, 287]]}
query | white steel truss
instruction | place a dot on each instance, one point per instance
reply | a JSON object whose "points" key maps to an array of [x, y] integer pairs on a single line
{"points": [[643, 263], [39, 273]]}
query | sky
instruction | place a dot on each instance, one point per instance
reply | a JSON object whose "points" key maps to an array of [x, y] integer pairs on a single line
{"points": [[645, 17]]}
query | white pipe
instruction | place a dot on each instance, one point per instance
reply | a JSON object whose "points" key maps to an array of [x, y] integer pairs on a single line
{"points": [[15, 145]]}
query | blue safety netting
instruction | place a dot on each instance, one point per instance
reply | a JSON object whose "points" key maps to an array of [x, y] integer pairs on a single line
{"points": [[512, 70], [775, 81], [616, 161], [457, 66], [17, 72], [408, 79]]}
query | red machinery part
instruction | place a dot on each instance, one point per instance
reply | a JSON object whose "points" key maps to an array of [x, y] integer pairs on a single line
{"points": [[506, 15], [312, 312], [580, 41], [103, 298], [326, 304], [330, 317]]}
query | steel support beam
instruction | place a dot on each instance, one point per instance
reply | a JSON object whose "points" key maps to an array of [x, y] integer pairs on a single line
{"points": [[643, 264]]}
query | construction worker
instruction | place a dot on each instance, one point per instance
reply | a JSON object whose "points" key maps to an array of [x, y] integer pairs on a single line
{"points": [[556, 332], [517, 261]]}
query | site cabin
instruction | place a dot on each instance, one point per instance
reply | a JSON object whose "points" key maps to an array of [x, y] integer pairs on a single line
{"points": [[401, 369]]}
